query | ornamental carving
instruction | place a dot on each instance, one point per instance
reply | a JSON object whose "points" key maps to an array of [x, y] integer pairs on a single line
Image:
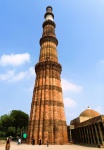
{"points": [[48, 38], [47, 65]]}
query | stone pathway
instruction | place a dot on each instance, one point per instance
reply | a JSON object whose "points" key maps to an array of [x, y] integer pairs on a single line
{"points": [[14, 146]]}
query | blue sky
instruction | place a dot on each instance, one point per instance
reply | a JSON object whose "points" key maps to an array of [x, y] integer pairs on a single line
{"points": [[80, 32]]}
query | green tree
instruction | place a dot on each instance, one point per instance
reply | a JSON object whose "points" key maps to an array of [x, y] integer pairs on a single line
{"points": [[5, 121], [19, 119], [11, 131], [14, 123]]}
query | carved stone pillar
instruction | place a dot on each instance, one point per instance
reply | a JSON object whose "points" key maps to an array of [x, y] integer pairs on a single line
{"points": [[93, 134], [85, 134], [90, 135], [96, 134], [100, 134]]}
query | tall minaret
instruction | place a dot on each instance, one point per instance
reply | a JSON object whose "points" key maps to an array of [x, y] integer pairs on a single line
{"points": [[47, 116]]}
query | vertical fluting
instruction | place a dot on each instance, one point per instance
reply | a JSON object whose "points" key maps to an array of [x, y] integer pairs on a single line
{"points": [[47, 117]]}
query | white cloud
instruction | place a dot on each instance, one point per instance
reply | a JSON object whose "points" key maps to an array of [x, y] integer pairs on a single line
{"points": [[101, 62], [17, 77], [69, 103], [14, 59], [30, 89], [31, 71], [68, 86], [11, 76], [7, 76]]}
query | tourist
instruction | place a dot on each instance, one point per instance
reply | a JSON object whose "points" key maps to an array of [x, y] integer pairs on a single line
{"points": [[33, 141], [7, 146], [47, 143], [40, 142], [19, 141]]}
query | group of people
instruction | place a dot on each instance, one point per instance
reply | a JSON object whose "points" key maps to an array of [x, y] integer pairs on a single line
{"points": [[40, 142], [7, 145]]}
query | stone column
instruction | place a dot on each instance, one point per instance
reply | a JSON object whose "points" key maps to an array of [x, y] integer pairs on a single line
{"points": [[100, 133], [86, 138], [96, 134], [93, 134], [90, 134], [83, 135], [80, 134]]}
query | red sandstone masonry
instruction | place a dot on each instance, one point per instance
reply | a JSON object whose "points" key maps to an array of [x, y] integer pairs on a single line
{"points": [[47, 117]]}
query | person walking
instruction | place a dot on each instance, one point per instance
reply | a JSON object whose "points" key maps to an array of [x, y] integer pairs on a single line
{"points": [[7, 146], [47, 143], [19, 141], [40, 142], [33, 141]]}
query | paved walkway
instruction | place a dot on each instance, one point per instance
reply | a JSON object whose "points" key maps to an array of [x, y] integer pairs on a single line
{"points": [[50, 147]]}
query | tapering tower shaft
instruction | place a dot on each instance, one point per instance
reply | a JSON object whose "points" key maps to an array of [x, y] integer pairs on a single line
{"points": [[47, 117]]}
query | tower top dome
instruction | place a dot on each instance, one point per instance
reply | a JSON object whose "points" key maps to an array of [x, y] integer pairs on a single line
{"points": [[89, 113], [49, 9], [49, 15]]}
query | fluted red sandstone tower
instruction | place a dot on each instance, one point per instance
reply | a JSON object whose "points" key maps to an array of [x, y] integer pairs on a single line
{"points": [[47, 117]]}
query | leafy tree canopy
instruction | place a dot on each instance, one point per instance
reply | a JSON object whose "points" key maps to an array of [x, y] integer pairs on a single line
{"points": [[19, 118], [16, 121]]}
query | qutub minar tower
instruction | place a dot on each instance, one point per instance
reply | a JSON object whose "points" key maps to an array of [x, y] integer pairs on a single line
{"points": [[47, 116]]}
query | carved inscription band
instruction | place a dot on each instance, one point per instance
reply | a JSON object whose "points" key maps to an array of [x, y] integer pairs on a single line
{"points": [[48, 102], [56, 76], [51, 122], [48, 65], [49, 22], [49, 87], [48, 38]]}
